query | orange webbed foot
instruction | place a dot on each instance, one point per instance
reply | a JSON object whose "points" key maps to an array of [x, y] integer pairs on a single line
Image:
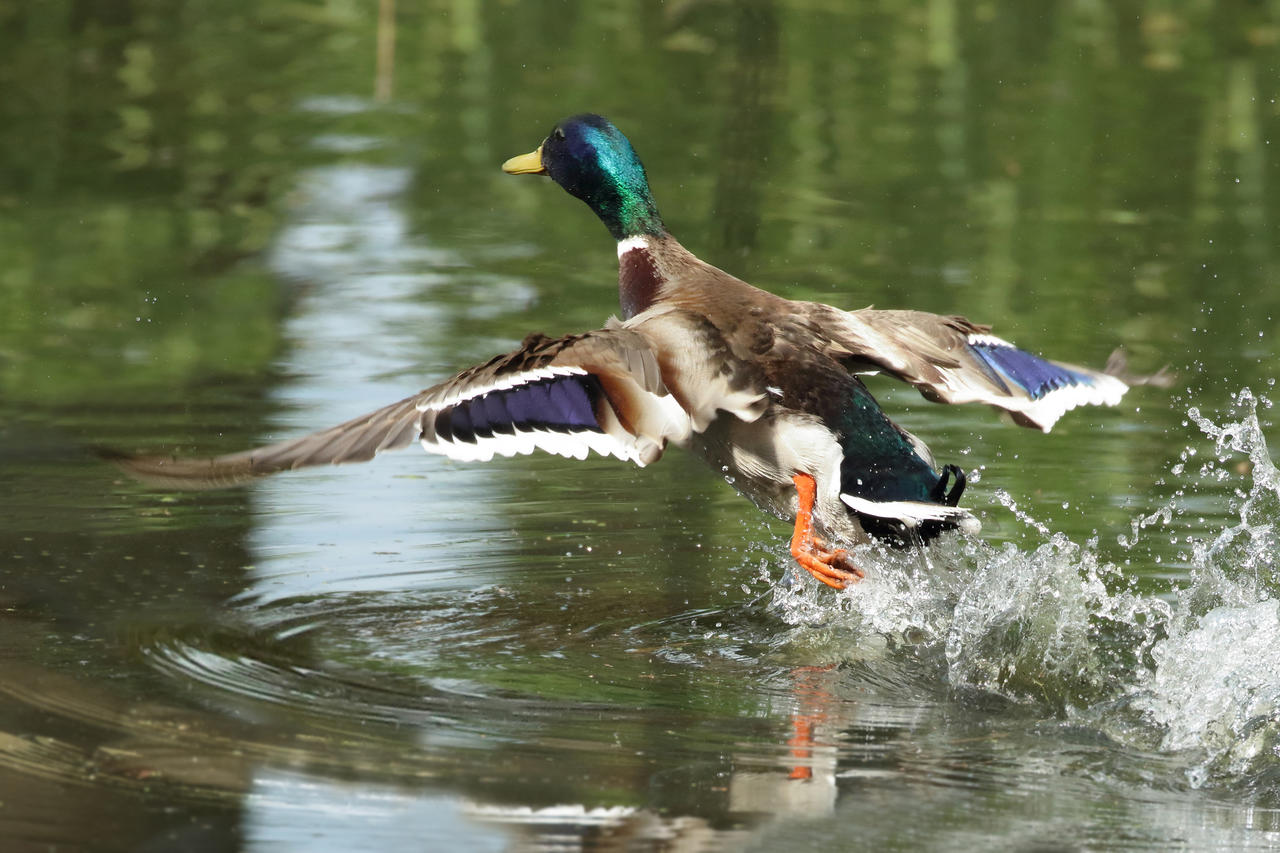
{"points": [[832, 567]]}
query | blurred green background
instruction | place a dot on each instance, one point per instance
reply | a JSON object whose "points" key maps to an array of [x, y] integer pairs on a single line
{"points": [[1084, 173]]}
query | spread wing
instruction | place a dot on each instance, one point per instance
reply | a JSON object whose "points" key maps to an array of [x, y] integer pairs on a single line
{"points": [[608, 391], [951, 360]]}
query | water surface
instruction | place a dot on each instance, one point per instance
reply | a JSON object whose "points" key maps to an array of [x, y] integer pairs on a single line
{"points": [[230, 226]]}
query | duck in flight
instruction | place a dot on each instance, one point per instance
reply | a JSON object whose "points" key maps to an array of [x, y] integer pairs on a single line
{"points": [[763, 388]]}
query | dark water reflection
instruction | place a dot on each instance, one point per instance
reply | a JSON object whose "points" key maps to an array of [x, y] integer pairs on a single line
{"points": [[213, 237]]}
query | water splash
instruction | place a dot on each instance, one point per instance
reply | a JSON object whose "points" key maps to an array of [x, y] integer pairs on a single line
{"points": [[1214, 689], [1192, 671]]}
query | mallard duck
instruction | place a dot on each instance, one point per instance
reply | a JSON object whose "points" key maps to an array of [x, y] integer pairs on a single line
{"points": [[765, 389]]}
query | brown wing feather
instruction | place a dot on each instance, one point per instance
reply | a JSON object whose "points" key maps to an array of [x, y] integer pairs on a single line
{"points": [[939, 356], [358, 440], [635, 411]]}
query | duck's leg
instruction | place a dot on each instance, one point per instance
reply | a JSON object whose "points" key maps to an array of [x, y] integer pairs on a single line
{"points": [[831, 567]]}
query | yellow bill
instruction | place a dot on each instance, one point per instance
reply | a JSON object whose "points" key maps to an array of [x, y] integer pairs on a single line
{"points": [[526, 164]]}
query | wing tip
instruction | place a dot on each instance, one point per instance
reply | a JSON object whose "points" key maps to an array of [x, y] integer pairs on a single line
{"points": [[1118, 367], [175, 472]]}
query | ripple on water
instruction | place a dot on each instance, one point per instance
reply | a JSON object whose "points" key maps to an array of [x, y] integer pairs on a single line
{"points": [[459, 665]]}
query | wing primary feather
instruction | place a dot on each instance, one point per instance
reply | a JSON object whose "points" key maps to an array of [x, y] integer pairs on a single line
{"points": [[602, 391], [356, 440], [951, 360]]}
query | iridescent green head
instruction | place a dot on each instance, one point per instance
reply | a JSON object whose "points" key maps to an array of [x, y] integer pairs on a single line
{"points": [[592, 160]]}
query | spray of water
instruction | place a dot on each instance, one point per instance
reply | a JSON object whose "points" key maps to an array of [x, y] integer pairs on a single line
{"points": [[1214, 688], [1193, 671]]}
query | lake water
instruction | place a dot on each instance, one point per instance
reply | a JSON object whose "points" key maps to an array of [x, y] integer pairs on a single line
{"points": [[227, 224]]}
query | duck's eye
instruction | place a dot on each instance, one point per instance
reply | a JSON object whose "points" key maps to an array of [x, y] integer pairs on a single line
{"points": [[559, 133]]}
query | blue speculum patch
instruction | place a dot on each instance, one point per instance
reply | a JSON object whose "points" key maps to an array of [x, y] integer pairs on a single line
{"points": [[1029, 372], [559, 404]]}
